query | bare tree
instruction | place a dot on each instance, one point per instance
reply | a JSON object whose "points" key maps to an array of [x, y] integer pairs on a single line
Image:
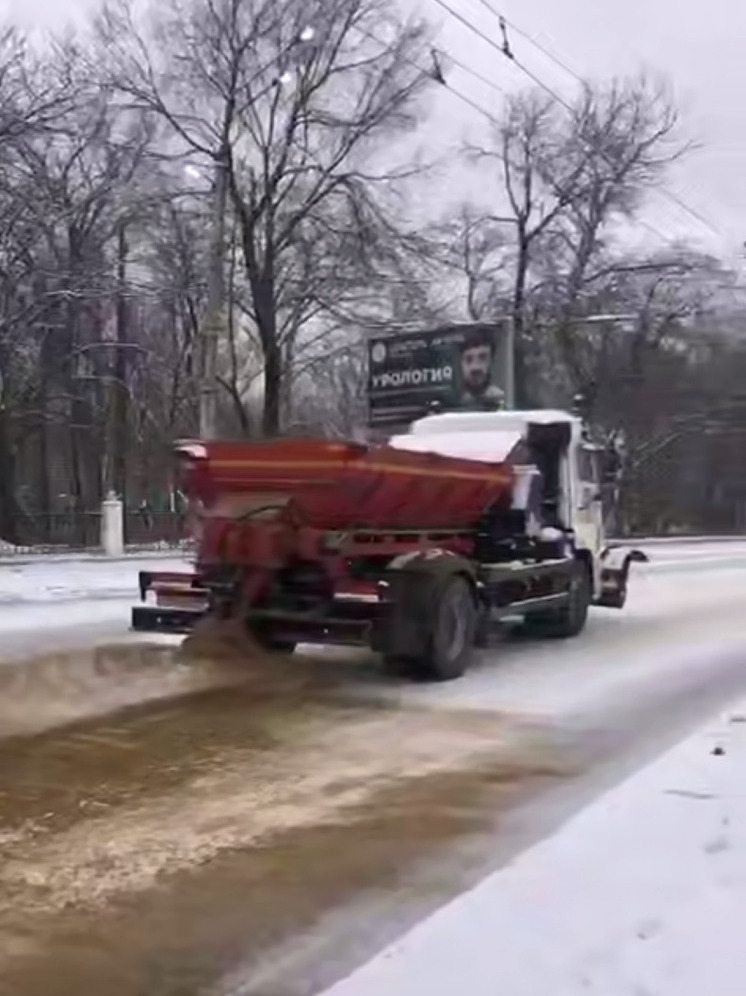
{"points": [[568, 178], [38, 93], [291, 105], [475, 250], [85, 178]]}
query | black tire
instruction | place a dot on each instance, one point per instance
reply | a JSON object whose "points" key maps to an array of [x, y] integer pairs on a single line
{"points": [[455, 618], [570, 620]]}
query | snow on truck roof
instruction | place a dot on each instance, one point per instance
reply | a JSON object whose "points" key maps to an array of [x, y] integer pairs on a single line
{"points": [[487, 436], [489, 447], [501, 421]]}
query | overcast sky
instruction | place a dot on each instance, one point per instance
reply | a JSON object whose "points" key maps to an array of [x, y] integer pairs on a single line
{"points": [[698, 47]]}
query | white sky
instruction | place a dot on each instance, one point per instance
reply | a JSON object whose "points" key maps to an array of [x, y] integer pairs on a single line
{"points": [[700, 48]]}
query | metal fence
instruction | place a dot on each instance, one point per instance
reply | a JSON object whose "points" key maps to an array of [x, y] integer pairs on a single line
{"points": [[147, 531], [77, 532], [161, 529]]}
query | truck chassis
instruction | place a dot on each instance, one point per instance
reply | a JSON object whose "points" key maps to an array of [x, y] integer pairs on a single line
{"points": [[422, 599]]}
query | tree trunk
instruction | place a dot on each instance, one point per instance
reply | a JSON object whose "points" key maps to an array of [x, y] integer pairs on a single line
{"points": [[272, 391], [520, 374], [45, 490], [263, 292], [120, 399], [9, 512]]}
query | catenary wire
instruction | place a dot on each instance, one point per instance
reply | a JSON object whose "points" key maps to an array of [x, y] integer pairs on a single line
{"points": [[507, 53]]}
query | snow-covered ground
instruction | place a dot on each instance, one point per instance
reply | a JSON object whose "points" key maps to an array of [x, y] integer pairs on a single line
{"points": [[642, 894], [680, 634], [66, 598], [637, 893], [74, 578], [53, 602], [62, 580], [667, 555]]}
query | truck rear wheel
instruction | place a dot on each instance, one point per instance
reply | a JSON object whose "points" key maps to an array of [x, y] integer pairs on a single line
{"points": [[454, 626], [571, 618]]}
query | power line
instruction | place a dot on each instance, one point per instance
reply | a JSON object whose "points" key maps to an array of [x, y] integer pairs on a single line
{"points": [[435, 73], [505, 50], [529, 38], [473, 72], [504, 22]]}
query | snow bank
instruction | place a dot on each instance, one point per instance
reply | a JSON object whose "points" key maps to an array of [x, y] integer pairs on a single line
{"points": [[54, 581], [64, 594], [642, 894]]}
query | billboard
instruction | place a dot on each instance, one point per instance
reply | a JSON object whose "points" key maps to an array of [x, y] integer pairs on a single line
{"points": [[454, 368]]}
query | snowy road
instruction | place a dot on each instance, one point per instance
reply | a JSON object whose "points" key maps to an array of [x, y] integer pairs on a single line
{"points": [[270, 838], [641, 893], [68, 601]]}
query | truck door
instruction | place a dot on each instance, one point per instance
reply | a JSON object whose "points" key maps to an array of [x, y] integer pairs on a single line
{"points": [[589, 525]]}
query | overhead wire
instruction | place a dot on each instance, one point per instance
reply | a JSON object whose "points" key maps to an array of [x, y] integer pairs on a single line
{"points": [[506, 51], [474, 73], [529, 38], [435, 72], [504, 22]]}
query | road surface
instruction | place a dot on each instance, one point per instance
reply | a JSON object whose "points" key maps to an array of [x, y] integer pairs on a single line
{"points": [[641, 892], [264, 831]]}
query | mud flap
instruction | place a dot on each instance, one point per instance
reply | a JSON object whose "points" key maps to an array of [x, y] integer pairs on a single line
{"points": [[615, 563], [409, 624]]}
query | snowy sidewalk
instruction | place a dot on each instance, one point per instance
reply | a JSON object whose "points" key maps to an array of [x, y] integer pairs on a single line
{"points": [[641, 894], [52, 580], [62, 594]]}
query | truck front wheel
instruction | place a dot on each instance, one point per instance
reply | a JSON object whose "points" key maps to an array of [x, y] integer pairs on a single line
{"points": [[572, 617]]}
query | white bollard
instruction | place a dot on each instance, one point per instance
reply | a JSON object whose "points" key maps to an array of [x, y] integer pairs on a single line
{"points": [[112, 526]]}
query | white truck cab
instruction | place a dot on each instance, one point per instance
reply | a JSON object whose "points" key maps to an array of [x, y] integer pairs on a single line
{"points": [[552, 443]]}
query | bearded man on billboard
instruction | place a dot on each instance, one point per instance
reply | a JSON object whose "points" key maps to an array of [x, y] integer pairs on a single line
{"points": [[477, 368]]}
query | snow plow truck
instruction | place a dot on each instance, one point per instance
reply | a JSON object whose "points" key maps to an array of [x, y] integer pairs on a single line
{"points": [[417, 547]]}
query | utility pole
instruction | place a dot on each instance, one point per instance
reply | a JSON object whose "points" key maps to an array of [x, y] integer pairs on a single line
{"points": [[211, 329], [509, 356], [121, 368], [115, 362]]}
